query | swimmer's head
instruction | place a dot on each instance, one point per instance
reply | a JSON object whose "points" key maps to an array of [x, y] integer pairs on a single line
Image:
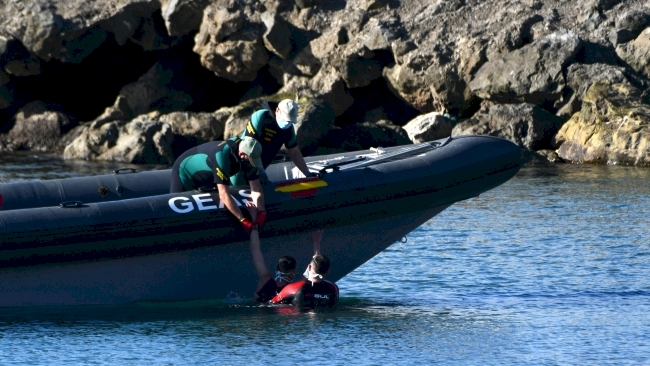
{"points": [[285, 271]]}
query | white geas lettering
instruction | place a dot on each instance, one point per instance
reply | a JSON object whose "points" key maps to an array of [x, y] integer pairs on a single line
{"points": [[204, 201], [200, 199], [188, 206]]}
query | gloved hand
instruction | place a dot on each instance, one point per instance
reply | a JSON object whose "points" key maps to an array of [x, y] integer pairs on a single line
{"points": [[260, 220], [248, 225]]}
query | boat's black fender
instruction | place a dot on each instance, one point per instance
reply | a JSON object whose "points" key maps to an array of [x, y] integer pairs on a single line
{"points": [[122, 184]]}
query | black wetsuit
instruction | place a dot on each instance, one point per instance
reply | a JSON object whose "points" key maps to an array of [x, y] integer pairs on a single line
{"points": [[307, 294], [268, 291]]}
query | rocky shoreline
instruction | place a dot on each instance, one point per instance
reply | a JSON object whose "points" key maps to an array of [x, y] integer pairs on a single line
{"points": [[140, 81]]}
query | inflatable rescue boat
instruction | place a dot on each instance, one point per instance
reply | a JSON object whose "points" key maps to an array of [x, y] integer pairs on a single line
{"points": [[121, 237]]}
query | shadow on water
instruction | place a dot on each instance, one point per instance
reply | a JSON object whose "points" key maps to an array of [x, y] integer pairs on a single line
{"points": [[213, 311]]}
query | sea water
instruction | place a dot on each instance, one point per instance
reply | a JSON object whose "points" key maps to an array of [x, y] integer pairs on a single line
{"points": [[551, 268]]}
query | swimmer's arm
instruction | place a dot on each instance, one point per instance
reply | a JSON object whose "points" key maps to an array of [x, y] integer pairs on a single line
{"points": [[316, 237], [263, 272]]}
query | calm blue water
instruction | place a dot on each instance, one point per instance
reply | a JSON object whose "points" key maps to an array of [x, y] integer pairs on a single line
{"points": [[551, 268]]}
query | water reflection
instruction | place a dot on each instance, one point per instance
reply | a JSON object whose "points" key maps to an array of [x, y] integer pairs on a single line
{"points": [[25, 165], [584, 172]]}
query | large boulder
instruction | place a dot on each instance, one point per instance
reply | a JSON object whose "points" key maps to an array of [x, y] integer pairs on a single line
{"points": [[278, 37], [230, 44], [137, 142], [36, 128], [315, 119], [328, 84], [435, 78], [202, 127], [634, 21], [527, 125], [580, 77], [239, 115], [428, 127], [183, 16], [70, 30], [155, 90], [637, 53], [628, 26], [190, 128], [531, 74], [613, 127], [365, 135], [133, 21]]}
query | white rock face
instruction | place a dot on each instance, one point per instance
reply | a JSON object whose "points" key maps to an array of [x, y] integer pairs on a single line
{"points": [[137, 142], [428, 127]]}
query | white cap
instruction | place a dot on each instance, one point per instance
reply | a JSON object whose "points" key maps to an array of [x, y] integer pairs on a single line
{"points": [[287, 111]]}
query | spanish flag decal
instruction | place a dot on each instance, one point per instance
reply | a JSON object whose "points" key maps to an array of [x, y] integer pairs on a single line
{"points": [[301, 187]]}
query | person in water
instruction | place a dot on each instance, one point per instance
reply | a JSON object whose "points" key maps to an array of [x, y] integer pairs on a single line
{"points": [[274, 290], [213, 164], [267, 285], [273, 127], [312, 291]]}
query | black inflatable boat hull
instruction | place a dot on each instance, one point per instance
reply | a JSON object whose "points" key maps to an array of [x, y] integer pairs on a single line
{"points": [[102, 249]]}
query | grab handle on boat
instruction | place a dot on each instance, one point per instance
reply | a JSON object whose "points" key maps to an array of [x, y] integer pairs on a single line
{"points": [[125, 171], [71, 204], [206, 189]]}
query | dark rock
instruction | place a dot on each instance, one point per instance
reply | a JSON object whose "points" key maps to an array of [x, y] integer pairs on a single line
{"points": [[315, 119], [637, 53], [278, 37], [532, 74], [581, 76], [549, 155], [183, 16], [366, 135], [633, 21], [36, 128], [618, 36], [527, 125]]}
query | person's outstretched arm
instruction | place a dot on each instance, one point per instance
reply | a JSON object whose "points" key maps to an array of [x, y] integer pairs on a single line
{"points": [[299, 160], [316, 237], [263, 272], [229, 202]]}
